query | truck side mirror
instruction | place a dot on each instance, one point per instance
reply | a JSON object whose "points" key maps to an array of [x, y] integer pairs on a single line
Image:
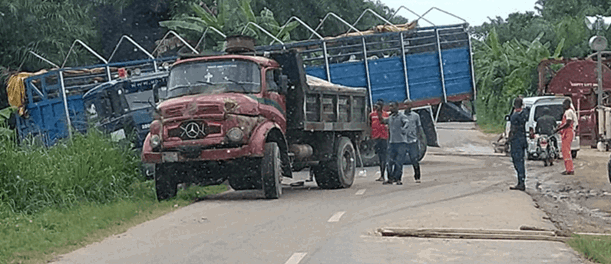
{"points": [[156, 92], [284, 84]]}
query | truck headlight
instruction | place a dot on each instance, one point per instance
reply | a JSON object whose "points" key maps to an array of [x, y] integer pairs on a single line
{"points": [[155, 141], [235, 134]]}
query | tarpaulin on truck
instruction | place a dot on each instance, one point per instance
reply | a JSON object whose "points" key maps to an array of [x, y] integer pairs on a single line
{"points": [[380, 29], [15, 89]]}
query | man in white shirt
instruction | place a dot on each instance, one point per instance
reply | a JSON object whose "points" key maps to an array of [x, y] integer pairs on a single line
{"points": [[567, 132]]}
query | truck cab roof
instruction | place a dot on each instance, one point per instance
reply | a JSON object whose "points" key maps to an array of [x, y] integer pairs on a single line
{"points": [[262, 61], [530, 101]]}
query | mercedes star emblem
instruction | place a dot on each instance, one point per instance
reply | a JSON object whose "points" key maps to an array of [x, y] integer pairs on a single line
{"points": [[192, 130]]}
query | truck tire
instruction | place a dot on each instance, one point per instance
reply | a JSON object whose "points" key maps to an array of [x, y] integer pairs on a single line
{"points": [[574, 154], [271, 170], [339, 172], [246, 178], [422, 147], [368, 153], [165, 181], [243, 183], [422, 143]]}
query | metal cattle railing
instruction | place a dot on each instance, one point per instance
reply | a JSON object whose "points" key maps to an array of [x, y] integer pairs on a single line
{"points": [[448, 49]]}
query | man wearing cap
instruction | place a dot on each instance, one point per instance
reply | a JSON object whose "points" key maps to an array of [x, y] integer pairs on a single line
{"points": [[545, 126]]}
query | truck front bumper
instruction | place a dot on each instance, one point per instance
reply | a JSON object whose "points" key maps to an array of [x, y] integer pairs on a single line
{"points": [[204, 154]]}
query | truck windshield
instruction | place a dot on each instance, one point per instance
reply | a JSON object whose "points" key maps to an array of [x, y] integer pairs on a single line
{"points": [[213, 77], [139, 100]]}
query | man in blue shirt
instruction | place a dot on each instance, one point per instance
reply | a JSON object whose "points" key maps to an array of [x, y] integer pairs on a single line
{"points": [[517, 141]]}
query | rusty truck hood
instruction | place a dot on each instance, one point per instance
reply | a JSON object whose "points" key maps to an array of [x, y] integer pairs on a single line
{"points": [[217, 104]]}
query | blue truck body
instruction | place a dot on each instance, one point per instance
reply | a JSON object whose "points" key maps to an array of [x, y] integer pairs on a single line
{"points": [[124, 107], [46, 111], [436, 65]]}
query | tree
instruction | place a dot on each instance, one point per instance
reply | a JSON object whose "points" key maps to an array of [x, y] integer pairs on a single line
{"points": [[45, 27], [506, 70], [231, 17]]}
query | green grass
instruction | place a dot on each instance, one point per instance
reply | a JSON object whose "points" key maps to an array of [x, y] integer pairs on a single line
{"points": [[55, 200], [595, 248]]}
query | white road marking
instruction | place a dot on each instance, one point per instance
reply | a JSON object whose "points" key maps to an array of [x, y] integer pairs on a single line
{"points": [[360, 192], [336, 217], [296, 258]]}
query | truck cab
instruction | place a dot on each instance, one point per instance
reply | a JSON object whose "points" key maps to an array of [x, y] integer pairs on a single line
{"points": [[252, 119], [216, 115], [124, 107]]}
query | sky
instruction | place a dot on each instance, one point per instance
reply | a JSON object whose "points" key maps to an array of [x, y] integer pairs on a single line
{"points": [[475, 12]]}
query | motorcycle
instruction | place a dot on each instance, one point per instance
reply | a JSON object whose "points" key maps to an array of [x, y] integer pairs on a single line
{"points": [[547, 149]]}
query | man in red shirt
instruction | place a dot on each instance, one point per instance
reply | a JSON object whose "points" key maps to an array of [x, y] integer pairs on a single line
{"points": [[379, 133]]}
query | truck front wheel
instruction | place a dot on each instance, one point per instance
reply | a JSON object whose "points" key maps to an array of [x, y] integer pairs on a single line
{"points": [[339, 172], [165, 181], [271, 170]]}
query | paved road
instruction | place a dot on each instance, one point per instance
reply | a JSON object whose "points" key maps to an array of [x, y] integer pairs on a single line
{"points": [[310, 225]]}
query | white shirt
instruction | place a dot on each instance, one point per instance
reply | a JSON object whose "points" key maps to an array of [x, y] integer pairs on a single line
{"points": [[570, 115]]}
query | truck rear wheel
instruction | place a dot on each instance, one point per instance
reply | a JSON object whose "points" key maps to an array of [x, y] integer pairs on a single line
{"points": [[271, 170], [165, 181], [339, 172], [368, 153]]}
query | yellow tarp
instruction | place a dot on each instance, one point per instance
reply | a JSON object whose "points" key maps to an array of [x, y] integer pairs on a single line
{"points": [[15, 89], [380, 29]]}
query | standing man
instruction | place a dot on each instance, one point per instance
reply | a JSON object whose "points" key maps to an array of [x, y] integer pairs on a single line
{"points": [[403, 137], [379, 133], [517, 141], [545, 126], [413, 128], [567, 129]]}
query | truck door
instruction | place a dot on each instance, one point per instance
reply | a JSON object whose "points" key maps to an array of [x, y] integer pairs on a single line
{"points": [[272, 90]]}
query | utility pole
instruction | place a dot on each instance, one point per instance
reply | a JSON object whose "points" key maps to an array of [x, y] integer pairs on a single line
{"points": [[598, 43]]}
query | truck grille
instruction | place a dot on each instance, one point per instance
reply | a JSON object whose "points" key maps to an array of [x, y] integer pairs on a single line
{"points": [[173, 112], [192, 130]]}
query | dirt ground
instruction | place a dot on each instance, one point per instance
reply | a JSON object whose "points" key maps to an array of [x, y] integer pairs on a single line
{"points": [[576, 203]]}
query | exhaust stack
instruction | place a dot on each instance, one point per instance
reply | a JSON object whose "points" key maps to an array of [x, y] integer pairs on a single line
{"points": [[240, 44]]}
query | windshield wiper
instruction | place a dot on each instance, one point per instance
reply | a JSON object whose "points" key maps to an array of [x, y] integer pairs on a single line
{"points": [[206, 82], [241, 84]]}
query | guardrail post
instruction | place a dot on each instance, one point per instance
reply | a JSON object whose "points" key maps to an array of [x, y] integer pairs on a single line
{"points": [[326, 57], [472, 69], [404, 66], [367, 73], [65, 99], [443, 81]]}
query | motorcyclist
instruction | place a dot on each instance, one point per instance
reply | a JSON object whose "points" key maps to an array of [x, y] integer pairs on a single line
{"points": [[545, 126]]}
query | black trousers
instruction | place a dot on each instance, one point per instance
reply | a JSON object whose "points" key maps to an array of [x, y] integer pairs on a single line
{"points": [[381, 148]]}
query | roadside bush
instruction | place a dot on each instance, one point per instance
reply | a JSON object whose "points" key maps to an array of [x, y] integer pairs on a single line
{"points": [[87, 168]]}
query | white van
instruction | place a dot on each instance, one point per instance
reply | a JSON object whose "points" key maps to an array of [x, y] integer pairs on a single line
{"points": [[536, 104]]}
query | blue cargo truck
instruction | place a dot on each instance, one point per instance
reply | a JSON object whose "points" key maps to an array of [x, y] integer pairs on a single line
{"points": [[47, 107], [124, 107], [431, 66]]}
